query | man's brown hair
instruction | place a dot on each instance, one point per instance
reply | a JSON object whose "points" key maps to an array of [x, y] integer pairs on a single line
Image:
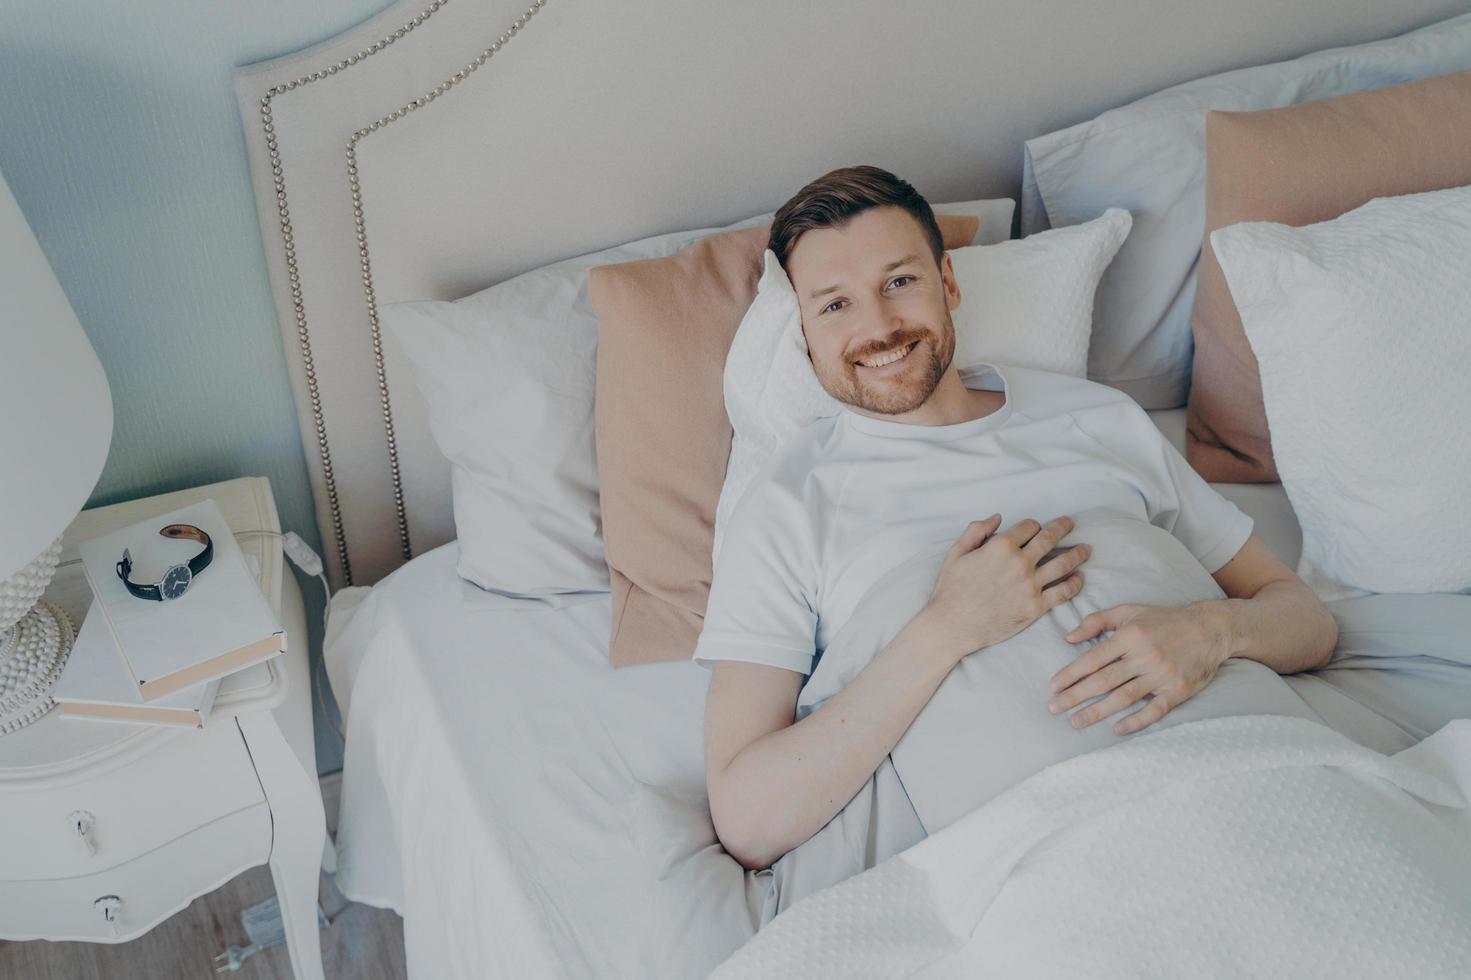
{"points": [[836, 197]]}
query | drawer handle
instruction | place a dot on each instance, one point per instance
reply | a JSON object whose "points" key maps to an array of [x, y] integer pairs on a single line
{"points": [[82, 822], [111, 907]]}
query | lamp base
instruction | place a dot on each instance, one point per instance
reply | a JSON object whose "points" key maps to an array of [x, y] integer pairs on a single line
{"points": [[35, 638], [32, 653]]}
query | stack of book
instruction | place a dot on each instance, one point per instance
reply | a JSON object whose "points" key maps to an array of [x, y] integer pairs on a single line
{"points": [[144, 661]]}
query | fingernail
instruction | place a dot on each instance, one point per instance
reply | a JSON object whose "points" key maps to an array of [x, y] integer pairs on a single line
{"points": [[1053, 707], [1077, 721]]}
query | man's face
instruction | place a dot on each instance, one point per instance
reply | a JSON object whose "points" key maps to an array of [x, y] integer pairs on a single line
{"points": [[875, 310]]}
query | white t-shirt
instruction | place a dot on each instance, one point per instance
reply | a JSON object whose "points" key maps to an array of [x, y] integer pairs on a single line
{"points": [[849, 498]]}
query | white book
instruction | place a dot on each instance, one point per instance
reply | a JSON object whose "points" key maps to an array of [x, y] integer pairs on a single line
{"points": [[95, 685], [222, 624]]}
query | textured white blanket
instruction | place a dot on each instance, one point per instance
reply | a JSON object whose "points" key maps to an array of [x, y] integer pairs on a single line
{"points": [[1247, 846]]}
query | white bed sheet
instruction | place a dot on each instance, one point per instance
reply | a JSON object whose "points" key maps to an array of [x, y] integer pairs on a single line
{"points": [[493, 764]]}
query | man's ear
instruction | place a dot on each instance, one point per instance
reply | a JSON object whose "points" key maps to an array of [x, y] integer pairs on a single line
{"points": [[952, 285]]}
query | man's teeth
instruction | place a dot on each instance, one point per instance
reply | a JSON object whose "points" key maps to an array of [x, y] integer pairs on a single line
{"points": [[889, 358]]}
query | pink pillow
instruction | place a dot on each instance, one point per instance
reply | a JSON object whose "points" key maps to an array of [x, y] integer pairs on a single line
{"points": [[663, 439], [1297, 166]]}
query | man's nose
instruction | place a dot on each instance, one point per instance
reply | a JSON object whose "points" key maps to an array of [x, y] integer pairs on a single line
{"points": [[878, 322]]}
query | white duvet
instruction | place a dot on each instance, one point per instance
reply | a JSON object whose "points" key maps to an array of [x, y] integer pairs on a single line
{"points": [[1249, 846]]}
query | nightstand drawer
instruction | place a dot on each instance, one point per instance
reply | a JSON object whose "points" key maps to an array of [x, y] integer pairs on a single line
{"points": [[142, 892], [181, 783]]}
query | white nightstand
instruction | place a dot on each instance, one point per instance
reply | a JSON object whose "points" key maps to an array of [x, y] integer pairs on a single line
{"points": [[174, 812]]}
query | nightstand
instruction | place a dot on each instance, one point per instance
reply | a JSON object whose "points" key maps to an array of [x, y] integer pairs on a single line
{"points": [[111, 828]]}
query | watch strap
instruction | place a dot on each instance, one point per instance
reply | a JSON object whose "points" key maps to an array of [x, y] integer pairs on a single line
{"points": [[124, 568]]}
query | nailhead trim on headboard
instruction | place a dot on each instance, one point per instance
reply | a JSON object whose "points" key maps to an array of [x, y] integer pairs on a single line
{"points": [[362, 237], [293, 273]]}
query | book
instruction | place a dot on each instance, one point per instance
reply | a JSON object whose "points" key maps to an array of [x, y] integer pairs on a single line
{"points": [[96, 685], [222, 624]]}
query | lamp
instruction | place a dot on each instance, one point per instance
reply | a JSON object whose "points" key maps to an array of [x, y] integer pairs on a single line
{"points": [[55, 427]]}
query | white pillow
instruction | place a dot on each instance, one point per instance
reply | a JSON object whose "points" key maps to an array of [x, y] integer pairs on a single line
{"points": [[1362, 331], [507, 375], [1149, 157], [1027, 302]]}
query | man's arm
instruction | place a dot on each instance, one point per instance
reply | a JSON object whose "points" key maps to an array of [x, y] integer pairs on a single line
{"points": [[773, 784], [1270, 615]]}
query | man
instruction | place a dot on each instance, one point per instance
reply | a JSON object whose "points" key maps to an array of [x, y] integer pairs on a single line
{"points": [[920, 452]]}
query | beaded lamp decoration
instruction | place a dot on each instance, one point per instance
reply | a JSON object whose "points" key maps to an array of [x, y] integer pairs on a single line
{"points": [[35, 638]]}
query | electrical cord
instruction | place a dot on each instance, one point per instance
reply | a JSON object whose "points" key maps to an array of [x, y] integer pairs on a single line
{"points": [[304, 558]]}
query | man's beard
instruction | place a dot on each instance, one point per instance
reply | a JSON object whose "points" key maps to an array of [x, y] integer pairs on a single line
{"points": [[903, 392]]}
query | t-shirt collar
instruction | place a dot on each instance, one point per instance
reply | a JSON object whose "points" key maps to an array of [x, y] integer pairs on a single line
{"points": [[981, 376]]}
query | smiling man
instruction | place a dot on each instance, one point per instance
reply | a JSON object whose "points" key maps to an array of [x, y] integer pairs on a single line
{"points": [[920, 458]]}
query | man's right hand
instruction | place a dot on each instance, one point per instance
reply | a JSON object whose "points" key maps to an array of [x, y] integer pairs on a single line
{"points": [[991, 586]]}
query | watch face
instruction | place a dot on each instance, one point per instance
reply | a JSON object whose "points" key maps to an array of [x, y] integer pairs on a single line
{"points": [[175, 581]]}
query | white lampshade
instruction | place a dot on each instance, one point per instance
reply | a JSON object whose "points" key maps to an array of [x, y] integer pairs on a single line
{"points": [[55, 406]]}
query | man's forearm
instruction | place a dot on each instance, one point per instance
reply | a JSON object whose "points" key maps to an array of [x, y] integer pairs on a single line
{"points": [[798, 778], [1284, 626]]}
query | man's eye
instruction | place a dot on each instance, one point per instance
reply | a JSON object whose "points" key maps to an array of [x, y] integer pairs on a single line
{"points": [[899, 281], [834, 306]]}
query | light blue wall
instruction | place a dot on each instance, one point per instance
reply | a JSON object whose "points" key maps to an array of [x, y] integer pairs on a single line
{"points": [[120, 138]]}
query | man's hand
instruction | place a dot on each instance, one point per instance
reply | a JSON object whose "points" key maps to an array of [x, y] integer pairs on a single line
{"points": [[991, 587], [1164, 654], [774, 783]]}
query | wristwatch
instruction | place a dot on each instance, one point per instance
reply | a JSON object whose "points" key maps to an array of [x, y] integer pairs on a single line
{"points": [[177, 578]]}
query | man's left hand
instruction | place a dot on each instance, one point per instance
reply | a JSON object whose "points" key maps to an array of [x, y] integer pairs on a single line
{"points": [[1155, 652]]}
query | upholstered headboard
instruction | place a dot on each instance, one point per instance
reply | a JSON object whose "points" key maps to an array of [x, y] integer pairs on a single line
{"points": [[445, 145]]}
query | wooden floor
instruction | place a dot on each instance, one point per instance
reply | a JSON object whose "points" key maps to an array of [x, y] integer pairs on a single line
{"points": [[362, 942]]}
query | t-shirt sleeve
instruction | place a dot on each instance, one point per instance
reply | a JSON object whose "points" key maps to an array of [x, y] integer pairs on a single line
{"points": [[1210, 525], [762, 607], [1178, 499]]}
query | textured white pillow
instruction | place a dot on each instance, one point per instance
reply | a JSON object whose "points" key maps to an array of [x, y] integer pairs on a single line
{"points": [[507, 375], [1362, 328], [1149, 157], [1027, 302]]}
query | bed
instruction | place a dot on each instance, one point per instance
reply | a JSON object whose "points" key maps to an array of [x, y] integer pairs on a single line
{"points": [[492, 779], [501, 778]]}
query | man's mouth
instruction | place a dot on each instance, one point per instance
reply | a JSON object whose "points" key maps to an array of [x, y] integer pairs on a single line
{"points": [[891, 356]]}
